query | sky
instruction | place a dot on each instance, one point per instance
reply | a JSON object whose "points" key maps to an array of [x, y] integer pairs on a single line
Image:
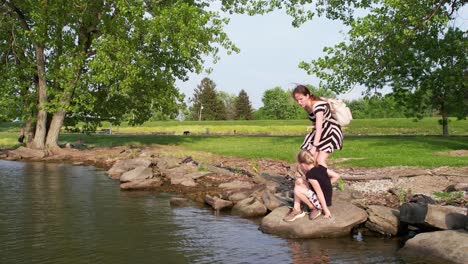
{"points": [[271, 50]]}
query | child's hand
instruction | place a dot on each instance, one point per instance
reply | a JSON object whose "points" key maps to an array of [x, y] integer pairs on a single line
{"points": [[327, 213]]}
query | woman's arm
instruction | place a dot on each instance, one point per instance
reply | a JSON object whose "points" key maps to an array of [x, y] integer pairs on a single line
{"points": [[321, 197]]}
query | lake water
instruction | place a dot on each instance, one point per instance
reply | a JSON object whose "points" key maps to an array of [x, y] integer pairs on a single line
{"points": [[59, 213]]}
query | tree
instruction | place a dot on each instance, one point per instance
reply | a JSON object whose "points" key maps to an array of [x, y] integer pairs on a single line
{"points": [[229, 101], [278, 104], [100, 59], [206, 103], [412, 47], [243, 107]]}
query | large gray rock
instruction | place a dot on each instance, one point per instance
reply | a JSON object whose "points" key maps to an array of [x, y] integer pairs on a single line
{"points": [[218, 203], [145, 184], [125, 165], [345, 217], [166, 162], [138, 173], [250, 207], [270, 200], [435, 216], [446, 217], [236, 185], [383, 219], [449, 245], [26, 153]]}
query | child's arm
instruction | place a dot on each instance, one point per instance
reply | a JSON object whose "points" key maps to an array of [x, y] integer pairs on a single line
{"points": [[321, 198]]}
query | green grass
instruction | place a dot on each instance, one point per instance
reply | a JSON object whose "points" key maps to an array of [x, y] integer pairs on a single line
{"points": [[364, 151], [396, 149], [384, 126]]}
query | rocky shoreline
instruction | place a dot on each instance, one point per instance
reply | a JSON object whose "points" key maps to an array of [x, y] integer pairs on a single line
{"points": [[395, 201]]}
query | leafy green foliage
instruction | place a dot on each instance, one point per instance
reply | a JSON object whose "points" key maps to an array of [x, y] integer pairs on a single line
{"points": [[103, 60], [410, 46]]}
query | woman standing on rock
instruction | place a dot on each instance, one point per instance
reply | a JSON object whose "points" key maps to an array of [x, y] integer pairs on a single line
{"points": [[315, 190], [326, 135]]}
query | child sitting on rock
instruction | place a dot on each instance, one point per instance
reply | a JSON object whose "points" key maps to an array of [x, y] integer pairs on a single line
{"points": [[315, 189]]}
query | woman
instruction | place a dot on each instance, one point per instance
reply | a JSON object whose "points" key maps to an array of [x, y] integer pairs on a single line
{"points": [[326, 135], [315, 189]]}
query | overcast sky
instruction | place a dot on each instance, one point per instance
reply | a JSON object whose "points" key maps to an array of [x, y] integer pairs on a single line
{"points": [[271, 49]]}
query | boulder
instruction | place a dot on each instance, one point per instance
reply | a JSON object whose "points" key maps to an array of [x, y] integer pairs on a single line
{"points": [[27, 153], [434, 216], [166, 162], [179, 171], [198, 174], [237, 196], [144, 184], [179, 201], [125, 165], [138, 173], [249, 207], [183, 180], [448, 245], [270, 200], [461, 186], [383, 220], [446, 217], [217, 203], [345, 217], [236, 185]]}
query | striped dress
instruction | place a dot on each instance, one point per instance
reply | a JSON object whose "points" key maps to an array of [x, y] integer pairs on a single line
{"points": [[332, 136]]}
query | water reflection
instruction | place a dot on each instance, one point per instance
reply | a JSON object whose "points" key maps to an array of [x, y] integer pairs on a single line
{"points": [[53, 213]]}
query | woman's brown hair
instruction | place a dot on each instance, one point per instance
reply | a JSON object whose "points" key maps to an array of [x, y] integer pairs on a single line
{"points": [[302, 89]]}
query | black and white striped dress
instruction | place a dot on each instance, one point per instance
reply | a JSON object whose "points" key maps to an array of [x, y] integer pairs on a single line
{"points": [[332, 136]]}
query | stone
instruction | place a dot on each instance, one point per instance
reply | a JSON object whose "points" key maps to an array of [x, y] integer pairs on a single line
{"points": [[448, 245], [446, 217], [218, 203], [236, 185], [239, 195], [26, 153], [413, 213], [462, 186], [249, 207], [137, 173], [270, 200], [167, 162], [345, 217], [145, 184], [198, 174], [179, 202], [179, 171], [383, 220], [125, 165]]}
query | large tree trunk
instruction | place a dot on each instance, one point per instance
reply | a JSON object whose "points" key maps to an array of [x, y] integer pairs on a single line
{"points": [[39, 137], [54, 129], [30, 128], [445, 132]]}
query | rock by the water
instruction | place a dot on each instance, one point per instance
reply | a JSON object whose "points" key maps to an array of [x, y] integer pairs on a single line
{"points": [[237, 185], [138, 173], [345, 217], [145, 184], [179, 201], [383, 219], [26, 153], [446, 217], [249, 207], [125, 165], [450, 245], [217, 203], [270, 200]]}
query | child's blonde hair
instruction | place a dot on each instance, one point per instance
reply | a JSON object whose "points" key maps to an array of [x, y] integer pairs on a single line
{"points": [[304, 156]]}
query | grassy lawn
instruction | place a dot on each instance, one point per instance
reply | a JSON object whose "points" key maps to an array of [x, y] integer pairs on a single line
{"points": [[392, 148], [388, 126], [367, 151]]}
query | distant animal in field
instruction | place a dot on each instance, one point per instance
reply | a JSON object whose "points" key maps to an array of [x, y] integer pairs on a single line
{"points": [[186, 133]]}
